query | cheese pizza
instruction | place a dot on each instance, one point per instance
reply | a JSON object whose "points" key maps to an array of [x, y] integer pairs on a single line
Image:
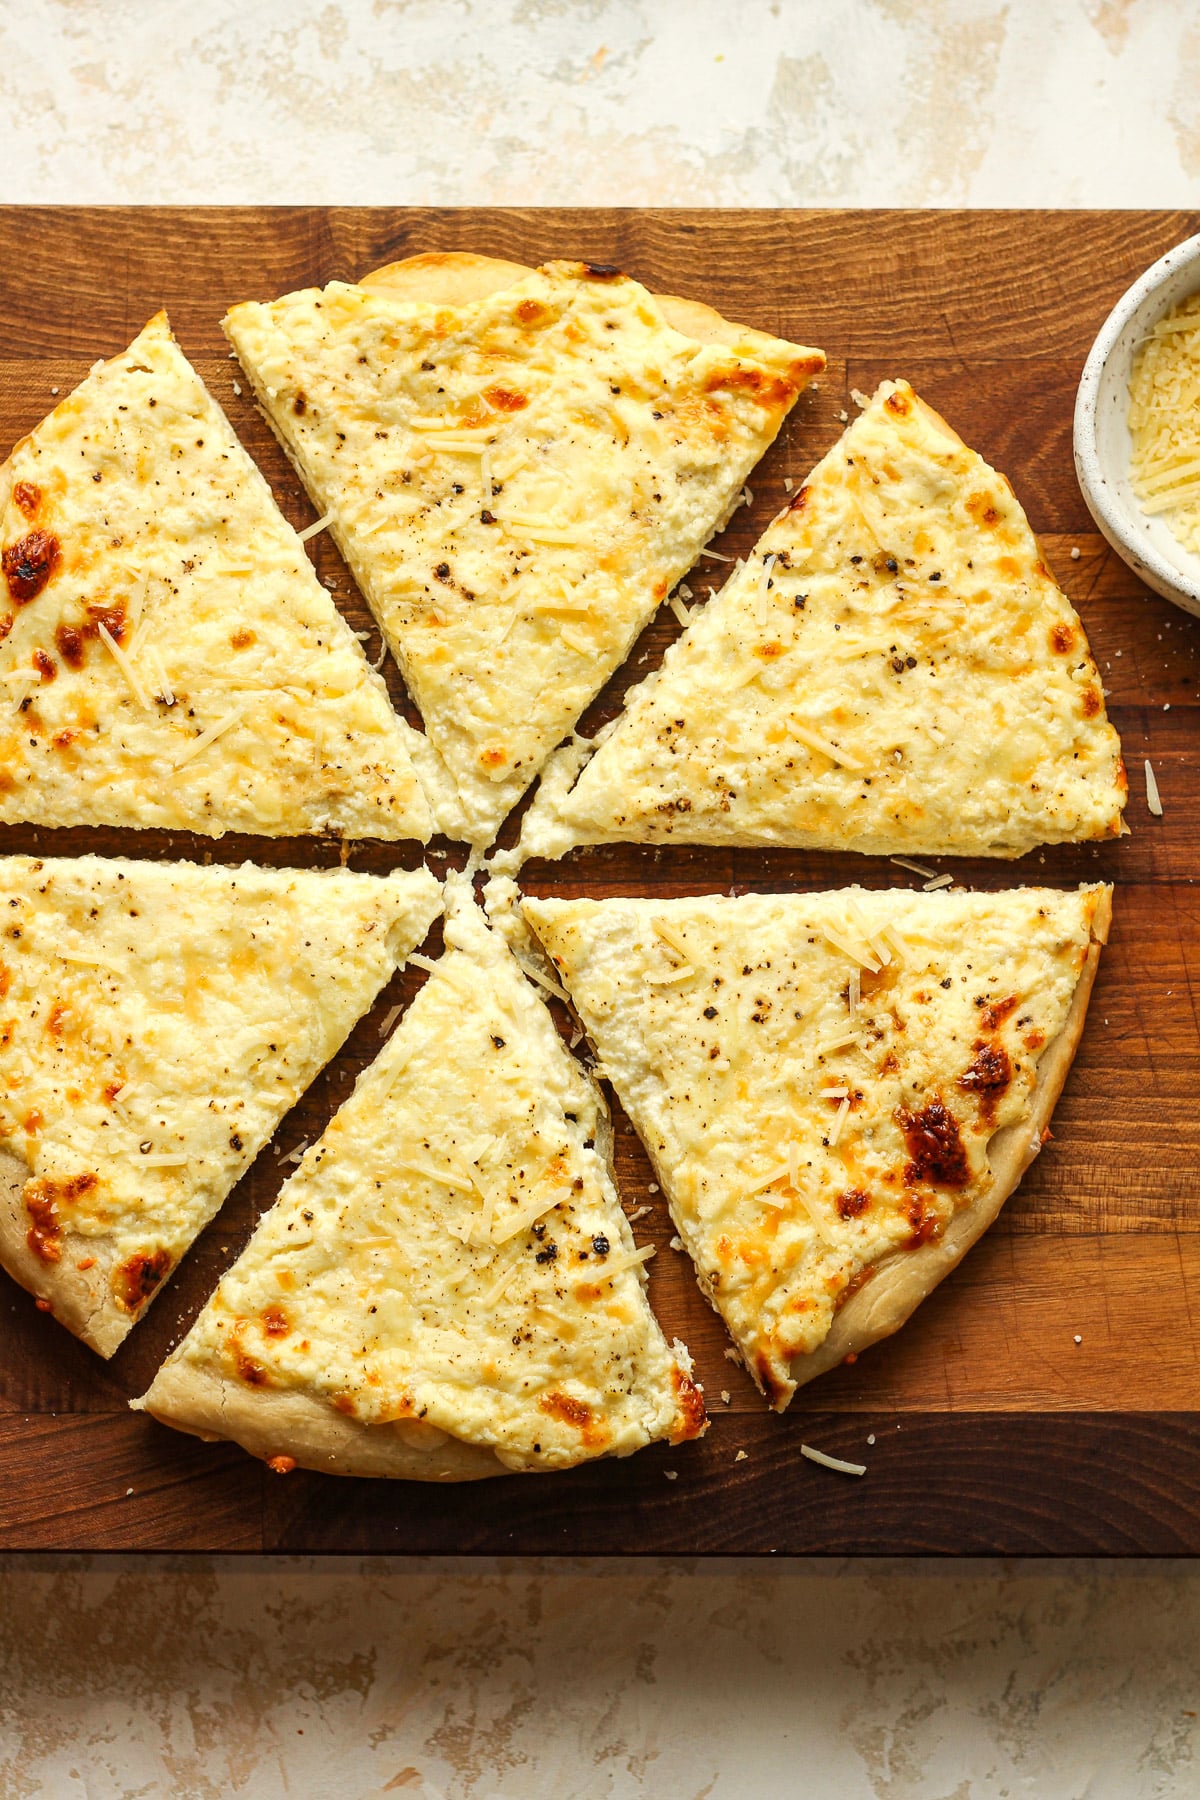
{"points": [[892, 670], [518, 465], [838, 1091], [156, 1022], [167, 655], [448, 1287]]}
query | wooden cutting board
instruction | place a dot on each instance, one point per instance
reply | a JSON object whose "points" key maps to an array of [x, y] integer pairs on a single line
{"points": [[1047, 1397]]}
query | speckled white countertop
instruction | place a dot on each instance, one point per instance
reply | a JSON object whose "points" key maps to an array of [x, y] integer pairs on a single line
{"points": [[544, 1681]]}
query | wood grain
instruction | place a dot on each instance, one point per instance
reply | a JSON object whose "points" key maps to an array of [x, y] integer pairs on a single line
{"points": [[994, 1430]]}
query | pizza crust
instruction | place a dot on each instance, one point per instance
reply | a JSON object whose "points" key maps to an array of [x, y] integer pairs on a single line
{"points": [[80, 1299], [889, 1298], [460, 277], [272, 1423]]}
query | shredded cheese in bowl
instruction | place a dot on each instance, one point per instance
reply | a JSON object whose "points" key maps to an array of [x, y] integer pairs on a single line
{"points": [[1164, 422]]}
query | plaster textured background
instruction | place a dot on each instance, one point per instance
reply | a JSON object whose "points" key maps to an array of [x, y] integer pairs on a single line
{"points": [[133, 1677]]}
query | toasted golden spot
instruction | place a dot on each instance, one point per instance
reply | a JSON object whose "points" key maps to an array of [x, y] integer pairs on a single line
{"points": [[243, 638], [506, 399], [576, 1413], [531, 313], [982, 509]]}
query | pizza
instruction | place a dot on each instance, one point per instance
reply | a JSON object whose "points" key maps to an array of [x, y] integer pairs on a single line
{"points": [[892, 670], [448, 1287], [167, 655], [518, 465], [838, 1091], [157, 1020]]}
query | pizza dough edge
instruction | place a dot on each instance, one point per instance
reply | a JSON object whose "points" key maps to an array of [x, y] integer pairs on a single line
{"points": [[80, 1299], [271, 1423]]}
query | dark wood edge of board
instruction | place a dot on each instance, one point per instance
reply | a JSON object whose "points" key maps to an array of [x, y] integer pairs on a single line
{"points": [[937, 1484]]}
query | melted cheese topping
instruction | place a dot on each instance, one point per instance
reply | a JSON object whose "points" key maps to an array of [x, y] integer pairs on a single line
{"points": [[1164, 422], [894, 669], [169, 657], [452, 1251], [517, 484], [799, 1155], [156, 1022]]}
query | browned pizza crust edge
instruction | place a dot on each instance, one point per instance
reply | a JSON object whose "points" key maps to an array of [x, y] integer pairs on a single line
{"points": [[271, 1423], [80, 1299]]}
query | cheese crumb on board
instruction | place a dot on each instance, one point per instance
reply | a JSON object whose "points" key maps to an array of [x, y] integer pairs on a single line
{"points": [[832, 1462], [1153, 797]]}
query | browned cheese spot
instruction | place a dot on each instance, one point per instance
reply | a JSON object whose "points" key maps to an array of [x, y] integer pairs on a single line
{"points": [[692, 1417], [506, 399], [767, 388], [935, 1148], [987, 1077], [140, 1276], [42, 1198], [29, 564], [852, 1203]]}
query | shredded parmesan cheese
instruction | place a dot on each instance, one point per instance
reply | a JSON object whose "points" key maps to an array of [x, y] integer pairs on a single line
{"points": [[494, 1293], [832, 1462], [856, 952], [126, 667], [672, 938], [680, 610], [544, 981], [318, 525], [388, 1022], [835, 1130], [441, 1177], [760, 596], [1153, 797], [617, 1265], [1164, 422], [815, 741], [89, 962], [209, 736], [939, 881], [164, 1162], [914, 868]]}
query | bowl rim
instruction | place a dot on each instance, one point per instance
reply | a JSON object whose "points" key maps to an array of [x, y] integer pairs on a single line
{"points": [[1145, 555]]}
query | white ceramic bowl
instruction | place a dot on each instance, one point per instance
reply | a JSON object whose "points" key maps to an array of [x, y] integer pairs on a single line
{"points": [[1102, 441]]}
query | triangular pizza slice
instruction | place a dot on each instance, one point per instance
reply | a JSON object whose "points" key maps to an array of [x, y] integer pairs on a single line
{"points": [[838, 1091], [156, 1022], [448, 1287], [518, 465], [168, 656], [893, 670]]}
